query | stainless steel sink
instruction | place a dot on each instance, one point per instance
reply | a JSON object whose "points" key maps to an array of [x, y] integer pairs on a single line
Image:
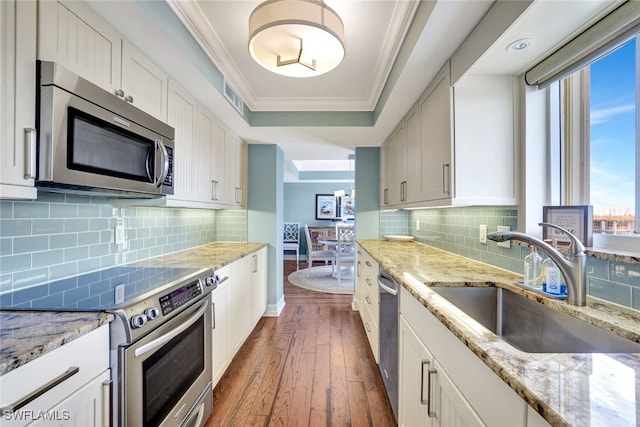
{"points": [[530, 326]]}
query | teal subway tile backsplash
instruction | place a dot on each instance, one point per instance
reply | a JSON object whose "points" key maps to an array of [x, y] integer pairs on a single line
{"points": [[59, 236], [457, 229]]}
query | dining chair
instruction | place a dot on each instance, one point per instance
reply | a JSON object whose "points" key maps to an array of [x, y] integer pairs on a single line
{"points": [[345, 253], [291, 239], [312, 255]]}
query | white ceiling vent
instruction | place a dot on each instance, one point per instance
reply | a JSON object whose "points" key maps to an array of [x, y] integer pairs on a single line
{"points": [[233, 98]]}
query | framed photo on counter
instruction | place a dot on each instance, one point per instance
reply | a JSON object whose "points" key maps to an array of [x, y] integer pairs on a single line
{"points": [[578, 219]]}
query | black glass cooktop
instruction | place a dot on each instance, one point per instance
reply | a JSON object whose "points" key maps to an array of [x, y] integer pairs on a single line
{"points": [[96, 291]]}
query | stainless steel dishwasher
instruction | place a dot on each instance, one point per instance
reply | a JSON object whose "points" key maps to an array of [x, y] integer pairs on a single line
{"points": [[388, 289]]}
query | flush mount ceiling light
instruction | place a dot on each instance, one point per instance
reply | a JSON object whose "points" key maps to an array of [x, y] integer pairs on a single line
{"points": [[520, 45], [296, 38]]}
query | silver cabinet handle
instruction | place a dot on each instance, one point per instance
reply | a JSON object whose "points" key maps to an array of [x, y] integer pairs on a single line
{"points": [[368, 282], [21, 403], [367, 327], [214, 190], [119, 92], [432, 414], [422, 399], [254, 263], [107, 413], [446, 178], [213, 315], [30, 137], [385, 196], [368, 300], [368, 264], [224, 279], [129, 99], [238, 195]]}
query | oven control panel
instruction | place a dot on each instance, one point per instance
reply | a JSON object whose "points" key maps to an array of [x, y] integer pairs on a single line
{"points": [[180, 296]]}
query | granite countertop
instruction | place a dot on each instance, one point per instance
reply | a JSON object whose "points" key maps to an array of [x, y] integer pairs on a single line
{"points": [[566, 389], [26, 335], [213, 255]]}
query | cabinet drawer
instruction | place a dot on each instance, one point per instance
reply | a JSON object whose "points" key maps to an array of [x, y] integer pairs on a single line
{"points": [[89, 354], [370, 324]]}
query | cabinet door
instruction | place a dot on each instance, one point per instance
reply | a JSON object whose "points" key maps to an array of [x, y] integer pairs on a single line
{"points": [[220, 327], [218, 163], [435, 139], [204, 155], [413, 152], [182, 116], [240, 306], [391, 183], [400, 140], [450, 408], [17, 99], [87, 407], [69, 34], [234, 160], [258, 285], [143, 83], [415, 362]]}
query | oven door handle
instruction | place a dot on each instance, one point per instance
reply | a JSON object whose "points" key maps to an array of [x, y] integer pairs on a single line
{"points": [[141, 351]]}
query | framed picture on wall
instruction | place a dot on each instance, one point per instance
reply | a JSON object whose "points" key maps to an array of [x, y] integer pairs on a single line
{"points": [[325, 206], [578, 219]]}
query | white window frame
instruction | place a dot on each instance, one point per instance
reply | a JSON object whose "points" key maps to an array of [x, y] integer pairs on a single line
{"points": [[575, 152]]}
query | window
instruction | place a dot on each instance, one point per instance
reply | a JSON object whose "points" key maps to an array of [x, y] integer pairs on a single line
{"points": [[600, 145]]}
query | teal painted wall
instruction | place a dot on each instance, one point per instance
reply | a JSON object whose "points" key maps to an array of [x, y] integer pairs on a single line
{"points": [[367, 192], [300, 204], [264, 213]]}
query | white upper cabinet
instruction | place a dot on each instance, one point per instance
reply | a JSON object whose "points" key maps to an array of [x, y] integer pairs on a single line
{"points": [[457, 145], [17, 99], [435, 139], [143, 83], [181, 110], [72, 36]]}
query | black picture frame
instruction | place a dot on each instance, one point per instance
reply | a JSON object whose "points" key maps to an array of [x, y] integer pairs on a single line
{"points": [[325, 206], [578, 219]]}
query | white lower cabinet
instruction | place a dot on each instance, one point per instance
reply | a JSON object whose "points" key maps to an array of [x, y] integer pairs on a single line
{"points": [[220, 325], [368, 298], [428, 397], [76, 382], [237, 304], [442, 383]]}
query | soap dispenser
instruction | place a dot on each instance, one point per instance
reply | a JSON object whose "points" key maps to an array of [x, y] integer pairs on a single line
{"points": [[533, 268], [553, 283]]}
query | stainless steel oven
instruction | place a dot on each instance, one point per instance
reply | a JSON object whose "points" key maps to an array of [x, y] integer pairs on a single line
{"points": [[167, 374]]}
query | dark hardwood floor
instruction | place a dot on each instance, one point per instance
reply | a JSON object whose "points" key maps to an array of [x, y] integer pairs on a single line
{"points": [[311, 366]]}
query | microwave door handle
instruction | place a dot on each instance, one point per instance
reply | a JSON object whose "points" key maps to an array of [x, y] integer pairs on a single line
{"points": [[165, 163]]}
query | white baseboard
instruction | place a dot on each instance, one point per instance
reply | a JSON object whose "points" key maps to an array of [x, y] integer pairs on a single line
{"points": [[274, 310]]}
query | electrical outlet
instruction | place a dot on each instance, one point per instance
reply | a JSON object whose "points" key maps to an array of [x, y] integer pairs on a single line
{"points": [[417, 225], [506, 244], [120, 236], [119, 296], [483, 234]]}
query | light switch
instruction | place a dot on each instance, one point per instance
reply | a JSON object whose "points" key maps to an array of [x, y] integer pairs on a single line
{"points": [[120, 236], [119, 296], [483, 234]]}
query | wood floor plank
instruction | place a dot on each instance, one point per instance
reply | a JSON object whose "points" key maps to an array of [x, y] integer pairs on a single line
{"points": [[358, 405], [319, 414], [311, 366], [339, 389]]}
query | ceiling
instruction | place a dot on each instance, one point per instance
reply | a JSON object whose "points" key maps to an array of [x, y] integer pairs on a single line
{"points": [[393, 49]]}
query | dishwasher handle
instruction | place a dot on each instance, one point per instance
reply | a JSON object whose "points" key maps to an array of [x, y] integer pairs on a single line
{"points": [[387, 284]]}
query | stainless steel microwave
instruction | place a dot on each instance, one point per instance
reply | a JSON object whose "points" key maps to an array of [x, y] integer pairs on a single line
{"points": [[92, 142]]}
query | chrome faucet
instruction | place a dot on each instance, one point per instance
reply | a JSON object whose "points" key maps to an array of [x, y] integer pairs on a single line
{"points": [[573, 265]]}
